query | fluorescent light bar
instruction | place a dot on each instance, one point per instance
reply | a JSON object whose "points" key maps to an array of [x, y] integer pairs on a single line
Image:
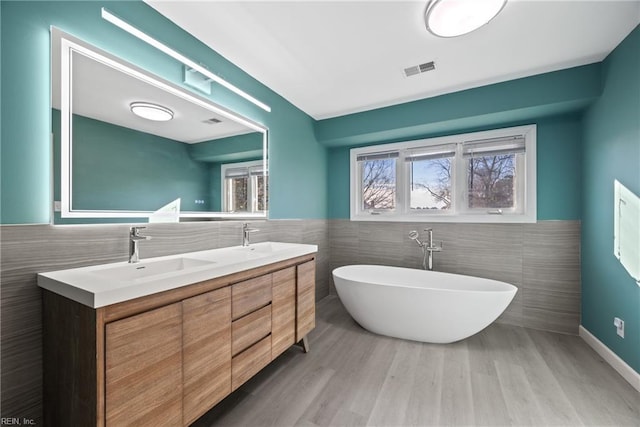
{"points": [[108, 16]]}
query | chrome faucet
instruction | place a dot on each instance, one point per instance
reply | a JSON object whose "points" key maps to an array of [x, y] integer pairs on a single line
{"points": [[134, 238], [246, 231], [427, 247]]}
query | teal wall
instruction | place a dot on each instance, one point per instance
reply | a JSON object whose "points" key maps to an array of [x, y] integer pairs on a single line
{"points": [[298, 164], [520, 100], [231, 149], [116, 168], [215, 182], [611, 150], [554, 101], [123, 169]]}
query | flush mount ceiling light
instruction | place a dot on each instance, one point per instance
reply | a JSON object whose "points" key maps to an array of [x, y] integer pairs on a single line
{"points": [[451, 18], [148, 111]]}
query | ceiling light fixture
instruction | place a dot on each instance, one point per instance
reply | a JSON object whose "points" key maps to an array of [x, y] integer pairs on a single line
{"points": [[149, 111], [451, 18], [110, 17]]}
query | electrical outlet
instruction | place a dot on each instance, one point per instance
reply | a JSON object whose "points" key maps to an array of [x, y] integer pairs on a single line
{"points": [[619, 324], [57, 206]]}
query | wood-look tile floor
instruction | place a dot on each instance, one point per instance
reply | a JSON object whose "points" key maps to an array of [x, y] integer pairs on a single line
{"points": [[503, 376]]}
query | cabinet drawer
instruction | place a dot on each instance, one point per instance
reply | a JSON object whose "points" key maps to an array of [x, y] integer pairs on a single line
{"points": [[250, 362], [250, 295], [249, 329]]}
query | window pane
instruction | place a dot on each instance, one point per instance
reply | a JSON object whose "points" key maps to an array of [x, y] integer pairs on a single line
{"points": [[262, 184], [238, 188], [378, 179], [430, 182], [492, 181]]}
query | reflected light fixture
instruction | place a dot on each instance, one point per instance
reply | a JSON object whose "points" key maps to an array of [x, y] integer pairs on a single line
{"points": [[451, 18], [110, 17], [149, 111]]}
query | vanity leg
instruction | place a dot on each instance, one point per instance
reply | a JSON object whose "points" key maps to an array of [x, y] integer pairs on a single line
{"points": [[305, 344]]}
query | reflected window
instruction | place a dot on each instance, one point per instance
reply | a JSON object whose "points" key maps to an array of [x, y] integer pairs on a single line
{"points": [[245, 187]]}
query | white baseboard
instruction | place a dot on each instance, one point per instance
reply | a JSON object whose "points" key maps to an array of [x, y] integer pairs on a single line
{"points": [[627, 372]]}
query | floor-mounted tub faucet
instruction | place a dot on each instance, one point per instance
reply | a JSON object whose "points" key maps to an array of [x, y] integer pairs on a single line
{"points": [[246, 232], [427, 247], [134, 238]]}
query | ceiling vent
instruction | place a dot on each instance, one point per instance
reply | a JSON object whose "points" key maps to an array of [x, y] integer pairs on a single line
{"points": [[212, 121], [418, 69]]}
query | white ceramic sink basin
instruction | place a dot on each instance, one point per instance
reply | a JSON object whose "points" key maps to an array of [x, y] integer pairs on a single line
{"points": [[258, 250], [101, 285], [148, 270]]}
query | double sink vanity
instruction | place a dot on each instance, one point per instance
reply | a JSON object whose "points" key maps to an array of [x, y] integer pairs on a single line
{"points": [[161, 341]]}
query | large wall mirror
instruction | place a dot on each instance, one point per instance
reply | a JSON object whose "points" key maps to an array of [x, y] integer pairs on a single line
{"points": [[117, 164]]}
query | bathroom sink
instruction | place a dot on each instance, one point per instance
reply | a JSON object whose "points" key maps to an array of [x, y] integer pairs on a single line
{"points": [[259, 250], [146, 270], [106, 284]]}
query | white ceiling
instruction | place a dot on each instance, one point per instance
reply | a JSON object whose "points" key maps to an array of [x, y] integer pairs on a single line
{"points": [[331, 58], [104, 93]]}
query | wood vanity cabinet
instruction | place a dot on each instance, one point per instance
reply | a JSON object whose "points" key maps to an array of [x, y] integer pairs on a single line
{"points": [[206, 346], [143, 368], [167, 358]]}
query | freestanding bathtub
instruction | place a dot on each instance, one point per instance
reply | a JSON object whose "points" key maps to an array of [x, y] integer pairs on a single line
{"points": [[420, 305]]}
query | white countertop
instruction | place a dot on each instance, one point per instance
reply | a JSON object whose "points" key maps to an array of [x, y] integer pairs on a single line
{"points": [[101, 285]]}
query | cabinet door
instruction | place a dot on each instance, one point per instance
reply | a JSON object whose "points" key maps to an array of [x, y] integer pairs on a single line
{"points": [[143, 377], [283, 318], [306, 299], [206, 351]]}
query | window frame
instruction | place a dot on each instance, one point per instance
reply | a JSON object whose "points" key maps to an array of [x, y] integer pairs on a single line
{"points": [[525, 183], [252, 193]]}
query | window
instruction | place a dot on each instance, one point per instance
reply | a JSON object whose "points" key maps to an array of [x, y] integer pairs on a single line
{"points": [[244, 187], [477, 177], [430, 177], [377, 174]]}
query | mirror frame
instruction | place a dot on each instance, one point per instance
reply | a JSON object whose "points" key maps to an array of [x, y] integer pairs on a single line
{"points": [[67, 45]]}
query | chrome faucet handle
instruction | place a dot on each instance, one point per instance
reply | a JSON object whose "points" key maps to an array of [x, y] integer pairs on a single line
{"points": [[134, 238], [415, 236], [134, 233], [136, 229], [247, 229]]}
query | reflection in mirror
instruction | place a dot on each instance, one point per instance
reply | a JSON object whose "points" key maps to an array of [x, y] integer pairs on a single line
{"points": [[115, 163]]}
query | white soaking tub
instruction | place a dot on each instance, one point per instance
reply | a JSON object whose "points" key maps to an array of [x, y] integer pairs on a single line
{"points": [[420, 305]]}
